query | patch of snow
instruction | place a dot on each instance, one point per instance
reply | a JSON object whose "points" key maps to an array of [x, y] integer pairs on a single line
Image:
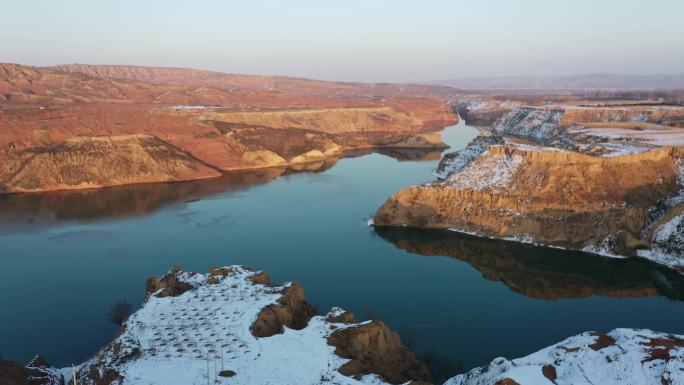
{"points": [[620, 149], [454, 162], [533, 148], [667, 244], [536, 124], [525, 238], [604, 247], [626, 357], [490, 172]]}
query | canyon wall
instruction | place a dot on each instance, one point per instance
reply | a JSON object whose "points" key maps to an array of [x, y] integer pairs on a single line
{"points": [[55, 122]]}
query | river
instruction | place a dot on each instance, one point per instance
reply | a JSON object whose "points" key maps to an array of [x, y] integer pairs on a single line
{"points": [[459, 301]]}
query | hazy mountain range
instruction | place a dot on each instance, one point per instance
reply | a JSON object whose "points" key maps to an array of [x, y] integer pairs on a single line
{"points": [[574, 82]]}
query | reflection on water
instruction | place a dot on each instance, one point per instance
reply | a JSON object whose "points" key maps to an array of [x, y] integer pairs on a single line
{"points": [[22, 212], [411, 154], [543, 273]]}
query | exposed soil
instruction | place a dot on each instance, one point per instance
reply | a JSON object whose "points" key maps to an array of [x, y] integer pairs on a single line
{"points": [[55, 122]]}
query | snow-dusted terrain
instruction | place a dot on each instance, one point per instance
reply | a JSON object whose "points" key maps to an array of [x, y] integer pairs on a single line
{"points": [[536, 124], [203, 337], [454, 162], [537, 129], [490, 172], [621, 357], [667, 245]]}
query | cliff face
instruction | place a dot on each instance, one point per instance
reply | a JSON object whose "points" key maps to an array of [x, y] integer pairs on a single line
{"points": [[55, 123], [547, 196], [89, 162]]}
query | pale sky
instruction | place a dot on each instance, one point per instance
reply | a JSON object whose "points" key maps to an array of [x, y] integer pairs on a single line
{"points": [[373, 40]]}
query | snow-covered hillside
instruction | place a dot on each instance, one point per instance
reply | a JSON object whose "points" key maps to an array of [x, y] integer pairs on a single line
{"points": [[621, 357]]}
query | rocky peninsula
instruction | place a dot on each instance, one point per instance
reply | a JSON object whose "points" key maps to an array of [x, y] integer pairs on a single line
{"points": [[542, 176]]}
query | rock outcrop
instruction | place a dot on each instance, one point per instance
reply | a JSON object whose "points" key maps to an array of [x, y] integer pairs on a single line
{"points": [[36, 372], [232, 322], [623, 356], [373, 348], [291, 311]]}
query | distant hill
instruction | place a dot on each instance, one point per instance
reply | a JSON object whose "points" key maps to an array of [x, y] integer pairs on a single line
{"points": [[572, 82]]}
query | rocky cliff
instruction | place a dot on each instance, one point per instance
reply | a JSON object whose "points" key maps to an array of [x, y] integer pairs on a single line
{"points": [[90, 162], [554, 197], [601, 178]]}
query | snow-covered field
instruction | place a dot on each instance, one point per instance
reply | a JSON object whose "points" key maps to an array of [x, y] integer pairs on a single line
{"points": [[622, 357]]}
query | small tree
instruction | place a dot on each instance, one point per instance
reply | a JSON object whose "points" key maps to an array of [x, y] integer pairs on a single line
{"points": [[119, 312]]}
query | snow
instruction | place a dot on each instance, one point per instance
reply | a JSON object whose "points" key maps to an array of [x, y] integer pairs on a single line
{"points": [[456, 161], [533, 148], [647, 137], [535, 124], [184, 107], [627, 361], [620, 149], [488, 105], [189, 339], [667, 245], [490, 172], [604, 247], [672, 228]]}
